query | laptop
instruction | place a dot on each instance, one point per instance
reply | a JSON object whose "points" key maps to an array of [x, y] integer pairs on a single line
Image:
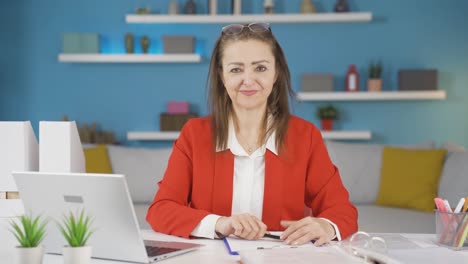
{"points": [[105, 197]]}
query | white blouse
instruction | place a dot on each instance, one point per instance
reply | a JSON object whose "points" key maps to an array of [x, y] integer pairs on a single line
{"points": [[248, 184]]}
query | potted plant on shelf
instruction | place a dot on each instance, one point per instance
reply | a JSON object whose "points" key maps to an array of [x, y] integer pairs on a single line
{"points": [[76, 229], [374, 84], [327, 114], [29, 232]]}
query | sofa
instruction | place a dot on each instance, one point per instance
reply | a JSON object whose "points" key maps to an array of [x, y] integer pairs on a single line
{"points": [[360, 169]]}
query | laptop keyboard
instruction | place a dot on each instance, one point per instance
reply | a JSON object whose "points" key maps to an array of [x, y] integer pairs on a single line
{"points": [[156, 251]]}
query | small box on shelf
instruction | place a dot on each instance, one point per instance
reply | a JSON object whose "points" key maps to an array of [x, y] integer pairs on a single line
{"points": [[410, 80], [174, 122], [174, 107], [178, 44], [315, 82], [80, 43]]}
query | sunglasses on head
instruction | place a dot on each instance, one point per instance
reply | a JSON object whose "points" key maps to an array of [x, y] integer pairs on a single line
{"points": [[254, 27]]}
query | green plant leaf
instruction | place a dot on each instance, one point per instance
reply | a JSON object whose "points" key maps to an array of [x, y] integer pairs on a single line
{"points": [[327, 112], [76, 229], [30, 232]]}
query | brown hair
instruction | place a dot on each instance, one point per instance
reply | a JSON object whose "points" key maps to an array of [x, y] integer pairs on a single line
{"points": [[220, 104]]}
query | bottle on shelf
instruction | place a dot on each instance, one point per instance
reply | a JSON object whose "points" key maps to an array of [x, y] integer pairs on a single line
{"points": [[268, 6], [341, 6], [129, 43], [352, 79], [173, 8], [190, 7], [213, 7], [307, 7], [236, 7], [145, 43]]}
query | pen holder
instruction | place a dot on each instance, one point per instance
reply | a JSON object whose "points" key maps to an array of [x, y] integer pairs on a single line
{"points": [[452, 230]]}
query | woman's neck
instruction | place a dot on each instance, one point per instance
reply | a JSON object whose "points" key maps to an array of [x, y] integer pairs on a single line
{"points": [[249, 126]]}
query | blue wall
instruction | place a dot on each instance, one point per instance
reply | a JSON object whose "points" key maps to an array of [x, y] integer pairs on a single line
{"points": [[404, 34]]}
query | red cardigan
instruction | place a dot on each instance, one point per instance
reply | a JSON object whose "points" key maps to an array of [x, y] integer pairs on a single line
{"points": [[198, 182]]}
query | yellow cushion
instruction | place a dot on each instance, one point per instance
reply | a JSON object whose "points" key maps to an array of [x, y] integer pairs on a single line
{"points": [[409, 178], [97, 159]]}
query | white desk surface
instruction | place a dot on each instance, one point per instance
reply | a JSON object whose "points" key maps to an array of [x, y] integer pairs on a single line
{"points": [[215, 252]]}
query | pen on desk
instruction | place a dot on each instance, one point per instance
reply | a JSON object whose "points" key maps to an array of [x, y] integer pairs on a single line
{"points": [[278, 237], [271, 236]]}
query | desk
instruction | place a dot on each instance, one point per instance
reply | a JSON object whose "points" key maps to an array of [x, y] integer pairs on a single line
{"points": [[215, 252]]}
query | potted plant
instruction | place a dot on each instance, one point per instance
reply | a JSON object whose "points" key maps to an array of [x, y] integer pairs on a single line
{"points": [[327, 114], [76, 229], [29, 232], [374, 83]]}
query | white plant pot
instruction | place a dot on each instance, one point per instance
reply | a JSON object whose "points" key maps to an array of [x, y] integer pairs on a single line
{"points": [[29, 255], [77, 255]]}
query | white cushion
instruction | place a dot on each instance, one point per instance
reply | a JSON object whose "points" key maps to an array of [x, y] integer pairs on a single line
{"points": [[379, 219], [143, 169], [453, 183], [360, 165]]}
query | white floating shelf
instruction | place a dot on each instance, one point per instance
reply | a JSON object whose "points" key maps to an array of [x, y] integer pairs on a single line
{"points": [[372, 96], [275, 18], [129, 58], [140, 135], [168, 136], [347, 135]]}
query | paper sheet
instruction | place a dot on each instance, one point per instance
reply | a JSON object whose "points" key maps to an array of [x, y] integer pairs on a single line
{"points": [[397, 241], [238, 244], [437, 255], [301, 255]]}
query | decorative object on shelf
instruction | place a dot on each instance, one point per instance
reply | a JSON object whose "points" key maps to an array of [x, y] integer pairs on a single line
{"points": [[145, 43], [374, 83], [76, 229], [236, 7], [317, 82], [213, 7], [268, 6], [173, 8], [143, 11], [327, 114], [417, 79], [308, 7], [129, 43], [174, 122], [174, 107], [178, 44], [352, 79], [190, 7], [29, 232], [92, 134], [341, 6], [177, 114], [80, 43]]}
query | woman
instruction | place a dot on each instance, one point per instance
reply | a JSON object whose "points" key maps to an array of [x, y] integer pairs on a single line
{"points": [[250, 167]]}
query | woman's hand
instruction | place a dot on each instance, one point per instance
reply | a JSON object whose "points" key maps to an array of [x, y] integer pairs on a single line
{"points": [[307, 229], [245, 226]]}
